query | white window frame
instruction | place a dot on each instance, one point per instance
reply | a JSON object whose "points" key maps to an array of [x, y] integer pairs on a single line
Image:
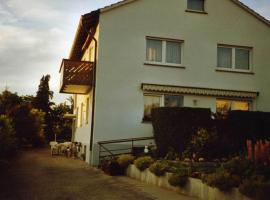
{"points": [[164, 47], [233, 66]]}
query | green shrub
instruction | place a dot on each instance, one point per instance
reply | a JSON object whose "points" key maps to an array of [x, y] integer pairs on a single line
{"points": [[125, 160], [143, 163], [256, 189], [178, 180], [241, 167], [111, 167], [204, 167], [222, 180], [8, 142], [4, 165], [159, 168], [248, 188], [202, 143]]}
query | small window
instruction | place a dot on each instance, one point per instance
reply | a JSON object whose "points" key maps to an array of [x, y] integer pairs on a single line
{"points": [[150, 102], [87, 111], [154, 101], [224, 57], [164, 52], [154, 50], [197, 5], [242, 59], [173, 52], [234, 58], [224, 106], [173, 101]]}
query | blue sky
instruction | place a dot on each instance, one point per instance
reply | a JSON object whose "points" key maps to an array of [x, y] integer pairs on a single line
{"points": [[36, 34]]}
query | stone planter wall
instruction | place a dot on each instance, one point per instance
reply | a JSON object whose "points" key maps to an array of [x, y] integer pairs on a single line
{"points": [[194, 187]]}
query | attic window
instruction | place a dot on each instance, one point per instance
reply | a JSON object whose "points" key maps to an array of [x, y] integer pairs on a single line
{"points": [[195, 5]]}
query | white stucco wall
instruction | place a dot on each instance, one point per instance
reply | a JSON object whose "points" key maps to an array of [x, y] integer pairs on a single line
{"points": [[122, 50], [83, 133]]}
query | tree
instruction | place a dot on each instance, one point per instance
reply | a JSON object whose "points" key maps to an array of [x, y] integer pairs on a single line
{"points": [[44, 95], [43, 102], [8, 100], [28, 124], [8, 142], [62, 125]]}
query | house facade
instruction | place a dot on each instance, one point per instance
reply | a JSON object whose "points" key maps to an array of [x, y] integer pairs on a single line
{"points": [[138, 54]]}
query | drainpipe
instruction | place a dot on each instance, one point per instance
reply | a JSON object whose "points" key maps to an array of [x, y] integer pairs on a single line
{"points": [[91, 35]]}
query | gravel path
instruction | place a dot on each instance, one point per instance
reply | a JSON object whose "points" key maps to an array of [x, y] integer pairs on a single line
{"points": [[35, 175]]}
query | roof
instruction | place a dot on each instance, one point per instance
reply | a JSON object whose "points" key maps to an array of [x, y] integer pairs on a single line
{"points": [[90, 21]]}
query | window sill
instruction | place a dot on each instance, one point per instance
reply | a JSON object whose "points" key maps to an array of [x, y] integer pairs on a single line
{"points": [[165, 65], [235, 71], [196, 11]]}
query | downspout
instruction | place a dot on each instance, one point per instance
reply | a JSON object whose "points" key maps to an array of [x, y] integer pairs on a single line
{"points": [[91, 35]]}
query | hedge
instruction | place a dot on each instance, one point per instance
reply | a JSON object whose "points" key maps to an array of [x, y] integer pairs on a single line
{"points": [[242, 125], [173, 127]]}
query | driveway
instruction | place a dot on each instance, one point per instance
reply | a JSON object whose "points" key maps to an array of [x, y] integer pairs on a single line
{"points": [[35, 175]]}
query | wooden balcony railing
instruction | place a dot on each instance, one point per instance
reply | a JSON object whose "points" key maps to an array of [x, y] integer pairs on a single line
{"points": [[76, 76]]}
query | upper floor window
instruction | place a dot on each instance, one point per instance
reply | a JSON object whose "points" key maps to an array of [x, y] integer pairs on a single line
{"points": [[160, 51], [196, 5], [235, 58]]}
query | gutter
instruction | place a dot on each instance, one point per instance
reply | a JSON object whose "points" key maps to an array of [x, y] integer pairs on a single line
{"points": [[91, 36]]}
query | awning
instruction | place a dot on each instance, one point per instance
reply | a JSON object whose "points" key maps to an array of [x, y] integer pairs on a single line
{"points": [[199, 91]]}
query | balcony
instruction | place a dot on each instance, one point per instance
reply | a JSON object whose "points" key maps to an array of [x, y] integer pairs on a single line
{"points": [[76, 76]]}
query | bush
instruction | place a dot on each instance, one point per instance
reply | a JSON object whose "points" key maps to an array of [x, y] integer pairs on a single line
{"points": [[4, 165], [255, 189], [125, 160], [173, 127], [111, 167], [222, 180], [202, 143], [159, 168], [178, 180], [143, 163], [8, 142], [240, 126], [28, 124], [241, 167]]}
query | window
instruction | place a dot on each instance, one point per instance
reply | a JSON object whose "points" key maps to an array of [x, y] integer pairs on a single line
{"points": [[154, 50], [234, 58], [224, 106], [87, 110], [197, 5], [82, 115], [154, 101], [173, 101], [167, 52], [150, 102]]}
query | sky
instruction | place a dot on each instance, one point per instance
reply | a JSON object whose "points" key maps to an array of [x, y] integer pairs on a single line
{"points": [[36, 34]]}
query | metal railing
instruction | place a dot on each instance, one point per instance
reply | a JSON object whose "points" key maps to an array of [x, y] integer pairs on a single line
{"points": [[111, 148]]}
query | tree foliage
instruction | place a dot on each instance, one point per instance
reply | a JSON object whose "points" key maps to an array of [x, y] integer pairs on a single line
{"points": [[8, 100], [28, 124], [62, 126], [8, 142], [43, 102]]}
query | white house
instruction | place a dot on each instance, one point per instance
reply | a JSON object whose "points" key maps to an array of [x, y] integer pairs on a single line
{"points": [[137, 54]]}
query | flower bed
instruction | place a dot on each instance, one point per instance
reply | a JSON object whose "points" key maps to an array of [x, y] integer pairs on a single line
{"points": [[193, 188]]}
